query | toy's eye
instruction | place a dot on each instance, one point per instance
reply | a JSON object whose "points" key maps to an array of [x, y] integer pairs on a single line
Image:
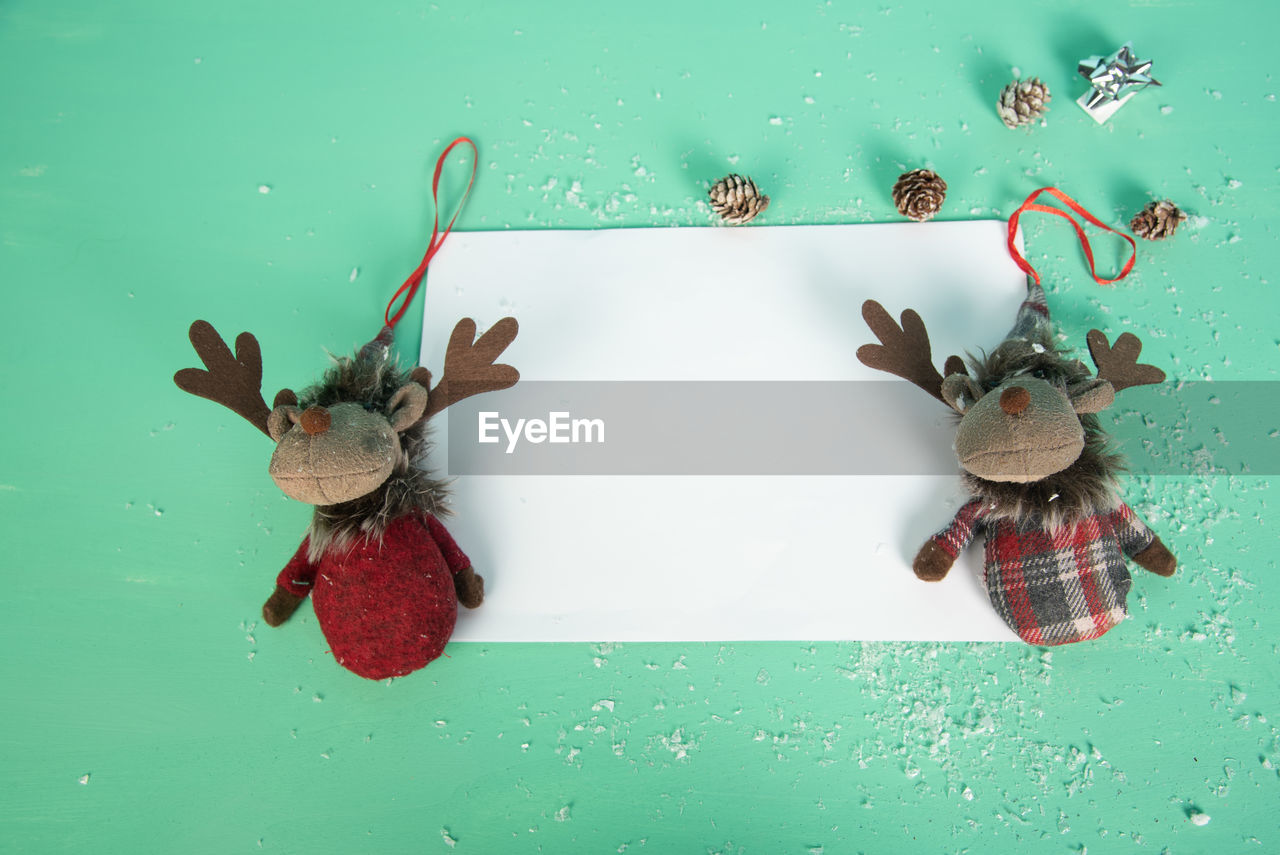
{"points": [[1040, 374]]}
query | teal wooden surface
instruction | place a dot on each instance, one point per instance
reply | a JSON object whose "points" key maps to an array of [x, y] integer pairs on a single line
{"points": [[237, 161]]}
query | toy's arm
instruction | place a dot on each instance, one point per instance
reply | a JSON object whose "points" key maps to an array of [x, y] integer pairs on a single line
{"points": [[467, 582], [1141, 544], [939, 552], [292, 586]]}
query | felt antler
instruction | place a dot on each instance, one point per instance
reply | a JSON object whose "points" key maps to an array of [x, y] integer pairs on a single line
{"points": [[904, 350], [1119, 365], [469, 369], [233, 381]]}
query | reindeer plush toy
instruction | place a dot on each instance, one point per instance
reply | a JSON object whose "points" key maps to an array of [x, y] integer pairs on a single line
{"points": [[1036, 464], [384, 576]]}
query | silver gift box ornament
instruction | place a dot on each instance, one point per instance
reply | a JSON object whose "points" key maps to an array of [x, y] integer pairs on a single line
{"points": [[1114, 80]]}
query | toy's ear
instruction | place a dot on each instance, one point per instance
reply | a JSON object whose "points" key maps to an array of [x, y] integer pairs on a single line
{"points": [[406, 406], [960, 392], [1091, 396], [281, 419]]}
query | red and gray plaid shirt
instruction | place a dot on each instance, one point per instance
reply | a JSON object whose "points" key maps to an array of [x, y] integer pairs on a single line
{"points": [[1054, 587]]}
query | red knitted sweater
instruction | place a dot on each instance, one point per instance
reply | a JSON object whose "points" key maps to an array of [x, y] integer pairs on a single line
{"points": [[386, 607]]}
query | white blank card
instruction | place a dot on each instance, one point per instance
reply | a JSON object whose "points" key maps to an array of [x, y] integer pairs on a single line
{"points": [[716, 558]]}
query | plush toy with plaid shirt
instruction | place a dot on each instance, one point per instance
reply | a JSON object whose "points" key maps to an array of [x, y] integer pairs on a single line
{"points": [[1036, 463]]}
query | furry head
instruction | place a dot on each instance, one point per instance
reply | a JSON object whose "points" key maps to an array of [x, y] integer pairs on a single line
{"points": [[1028, 440]]}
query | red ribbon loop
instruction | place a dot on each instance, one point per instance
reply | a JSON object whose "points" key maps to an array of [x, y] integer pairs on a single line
{"points": [[410, 286], [1029, 205]]}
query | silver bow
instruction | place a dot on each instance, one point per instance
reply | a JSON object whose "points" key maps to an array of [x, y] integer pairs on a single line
{"points": [[1116, 76]]}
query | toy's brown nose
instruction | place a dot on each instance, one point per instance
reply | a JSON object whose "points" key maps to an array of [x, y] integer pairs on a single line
{"points": [[316, 420], [1012, 400]]}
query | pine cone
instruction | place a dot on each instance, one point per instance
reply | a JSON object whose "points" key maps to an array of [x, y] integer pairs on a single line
{"points": [[737, 200], [1023, 102], [919, 194], [1157, 221]]}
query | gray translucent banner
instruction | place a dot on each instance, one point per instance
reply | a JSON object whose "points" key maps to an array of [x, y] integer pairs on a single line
{"points": [[825, 428]]}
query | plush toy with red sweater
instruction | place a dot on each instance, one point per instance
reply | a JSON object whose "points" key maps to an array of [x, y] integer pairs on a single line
{"points": [[384, 576]]}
